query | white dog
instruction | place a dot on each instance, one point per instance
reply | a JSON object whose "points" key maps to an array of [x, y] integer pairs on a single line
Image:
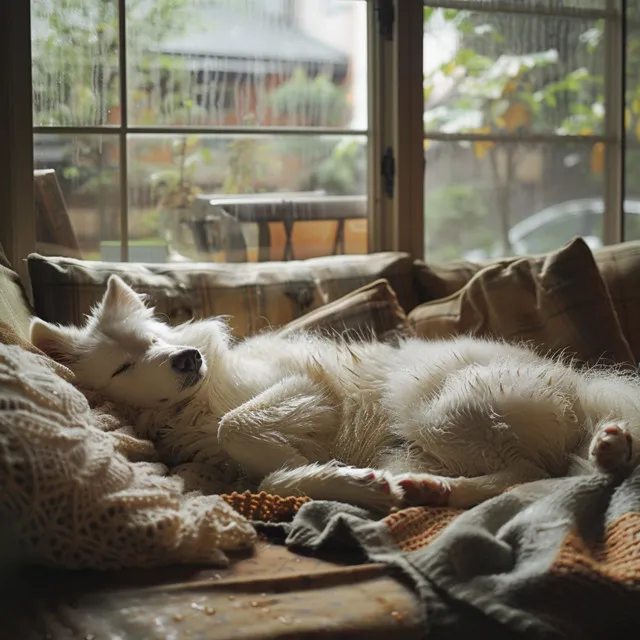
{"points": [[448, 422]]}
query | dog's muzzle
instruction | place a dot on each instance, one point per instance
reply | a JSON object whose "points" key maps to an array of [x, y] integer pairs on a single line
{"points": [[187, 363]]}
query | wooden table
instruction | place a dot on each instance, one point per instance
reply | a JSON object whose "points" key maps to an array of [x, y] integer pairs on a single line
{"points": [[217, 219]]}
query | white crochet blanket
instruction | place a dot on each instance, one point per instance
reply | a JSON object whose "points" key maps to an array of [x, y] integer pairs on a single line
{"points": [[72, 500]]}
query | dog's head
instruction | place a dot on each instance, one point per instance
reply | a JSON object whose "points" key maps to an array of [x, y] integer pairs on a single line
{"points": [[124, 353]]}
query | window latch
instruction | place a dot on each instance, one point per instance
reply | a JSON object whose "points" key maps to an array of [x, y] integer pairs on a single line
{"points": [[388, 172], [386, 17]]}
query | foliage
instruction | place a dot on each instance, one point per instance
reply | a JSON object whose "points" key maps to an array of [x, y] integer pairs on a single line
{"points": [[76, 54], [178, 189], [312, 101], [343, 172], [454, 215]]}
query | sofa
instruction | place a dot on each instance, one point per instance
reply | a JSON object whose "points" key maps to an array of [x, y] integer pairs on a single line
{"points": [[584, 304]]}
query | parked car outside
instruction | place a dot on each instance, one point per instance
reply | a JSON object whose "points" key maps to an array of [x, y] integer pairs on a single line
{"points": [[551, 227]]}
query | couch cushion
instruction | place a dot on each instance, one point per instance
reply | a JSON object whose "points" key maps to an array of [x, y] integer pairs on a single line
{"points": [[434, 281], [340, 275], [620, 268], [15, 310], [557, 302], [255, 295], [372, 310]]}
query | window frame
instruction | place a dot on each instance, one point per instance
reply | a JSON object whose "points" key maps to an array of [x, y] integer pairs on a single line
{"points": [[395, 80], [613, 136], [124, 128]]}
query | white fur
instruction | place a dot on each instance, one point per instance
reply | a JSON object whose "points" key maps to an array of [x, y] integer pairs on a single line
{"points": [[435, 422]]}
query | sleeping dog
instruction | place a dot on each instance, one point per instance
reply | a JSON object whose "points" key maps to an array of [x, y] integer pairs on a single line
{"points": [[444, 422]]}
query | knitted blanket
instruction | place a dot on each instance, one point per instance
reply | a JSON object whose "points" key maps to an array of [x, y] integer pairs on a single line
{"points": [[71, 498], [553, 559]]}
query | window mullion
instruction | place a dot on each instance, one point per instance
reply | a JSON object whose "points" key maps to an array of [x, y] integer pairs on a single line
{"points": [[122, 147], [614, 126], [378, 65], [17, 210], [408, 129]]}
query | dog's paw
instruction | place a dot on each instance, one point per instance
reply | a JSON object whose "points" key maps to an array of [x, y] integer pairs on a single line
{"points": [[424, 490], [611, 447]]}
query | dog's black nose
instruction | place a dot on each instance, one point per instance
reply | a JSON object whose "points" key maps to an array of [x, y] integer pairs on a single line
{"points": [[187, 361]]}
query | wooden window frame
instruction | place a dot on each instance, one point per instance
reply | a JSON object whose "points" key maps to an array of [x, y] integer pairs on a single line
{"points": [[395, 76]]}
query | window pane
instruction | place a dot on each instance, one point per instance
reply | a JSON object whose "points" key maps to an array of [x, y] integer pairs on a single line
{"points": [[86, 169], [240, 198], [512, 74], [75, 62], [486, 200], [256, 62]]}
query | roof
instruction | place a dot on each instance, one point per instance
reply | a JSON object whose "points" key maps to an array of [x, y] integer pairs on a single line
{"points": [[241, 41], [219, 37]]}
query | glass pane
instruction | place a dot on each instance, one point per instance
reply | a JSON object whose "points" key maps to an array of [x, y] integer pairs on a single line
{"points": [[255, 62], [83, 217], [512, 74], [486, 200], [75, 47], [239, 198]]}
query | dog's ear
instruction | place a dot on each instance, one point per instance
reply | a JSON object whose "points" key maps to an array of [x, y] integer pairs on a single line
{"points": [[121, 297], [57, 342]]}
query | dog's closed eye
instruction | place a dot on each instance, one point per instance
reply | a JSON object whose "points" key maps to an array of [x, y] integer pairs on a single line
{"points": [[122, 369]]}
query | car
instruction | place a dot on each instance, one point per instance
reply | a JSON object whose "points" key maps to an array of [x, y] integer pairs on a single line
{"points": [[549, 228]]}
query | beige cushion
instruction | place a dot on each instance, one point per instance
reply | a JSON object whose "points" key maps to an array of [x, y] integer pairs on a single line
{"points": [[557, 302], [370, 311], [434, 281], [620, 268], [254, 295], [339, 275], [15, 310]]}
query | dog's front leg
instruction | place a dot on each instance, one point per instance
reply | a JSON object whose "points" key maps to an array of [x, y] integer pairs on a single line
{"points": [[260, 434]]}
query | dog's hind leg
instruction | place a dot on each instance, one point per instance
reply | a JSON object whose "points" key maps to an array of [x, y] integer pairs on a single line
{"points": [[265, 433], [381, 490], [462, 493], [374, 490]]}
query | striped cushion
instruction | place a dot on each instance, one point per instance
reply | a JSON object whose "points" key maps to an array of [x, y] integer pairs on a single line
{"points": [[255, 295], [15, 310], [370, 311], [439, 280], [557, 302], [620, 268]]}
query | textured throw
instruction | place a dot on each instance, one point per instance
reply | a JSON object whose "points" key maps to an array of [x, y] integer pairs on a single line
{"points": [[71, 499], [553, 559]]}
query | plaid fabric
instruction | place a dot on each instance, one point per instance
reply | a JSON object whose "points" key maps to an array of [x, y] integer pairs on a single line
{"points": [[15, 310], [339, 275], [557, 303], [255, 295], [434, 281], [620, 269], [372, 310]]}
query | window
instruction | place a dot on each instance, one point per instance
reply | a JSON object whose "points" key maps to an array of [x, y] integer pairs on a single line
{"points": [[304, 125], [523, 125], [204, 129]]}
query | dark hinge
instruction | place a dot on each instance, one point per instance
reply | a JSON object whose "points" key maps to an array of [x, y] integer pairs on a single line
{"points": [[388, 171], [386, 17]]}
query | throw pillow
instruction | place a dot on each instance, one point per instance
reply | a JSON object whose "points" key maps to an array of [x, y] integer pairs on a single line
{"points": [[370, 311], [557, 302]]}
